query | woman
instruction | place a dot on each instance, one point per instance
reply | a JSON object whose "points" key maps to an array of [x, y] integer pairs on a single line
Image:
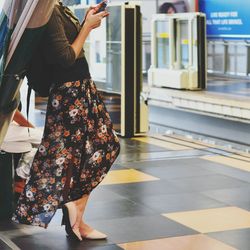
{"points": [[79, 144]]}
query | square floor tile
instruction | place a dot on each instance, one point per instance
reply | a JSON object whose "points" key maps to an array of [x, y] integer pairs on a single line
{"points": [[228, 171], [213, 220], [142, 189], [175, 163], [229, 161], [189, 242], [126, 176], [168, 171], [141, 228], [238, 238], [104, 194], [103, 210], [208, 182], [178, 202], [238, 197]]}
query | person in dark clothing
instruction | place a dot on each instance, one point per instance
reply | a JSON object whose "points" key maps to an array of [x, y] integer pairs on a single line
{"points": [[79, 144]]}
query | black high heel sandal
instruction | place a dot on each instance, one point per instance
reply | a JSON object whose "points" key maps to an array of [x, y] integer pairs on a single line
{"points": [[66, 222]]}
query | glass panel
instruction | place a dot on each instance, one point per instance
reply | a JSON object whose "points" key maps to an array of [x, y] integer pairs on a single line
{"points": [[184, 43], [97, 54], [218, 58], [162, 44], [113, 69]]}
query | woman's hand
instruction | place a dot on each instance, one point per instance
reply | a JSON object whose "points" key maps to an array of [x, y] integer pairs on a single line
{"points": [[94, 20]]}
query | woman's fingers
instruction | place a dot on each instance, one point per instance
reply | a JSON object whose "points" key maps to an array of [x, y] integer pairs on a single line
{"points": [[93, 19], [106, 14], [103, 14]]}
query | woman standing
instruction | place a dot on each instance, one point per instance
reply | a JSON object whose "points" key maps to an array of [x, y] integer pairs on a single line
{"points": [[79, 144]]}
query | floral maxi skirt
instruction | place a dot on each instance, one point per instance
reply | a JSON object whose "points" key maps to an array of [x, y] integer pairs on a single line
{"points": [[77, 150]]}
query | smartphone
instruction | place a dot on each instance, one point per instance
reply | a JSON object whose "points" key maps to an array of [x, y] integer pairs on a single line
{"points": [[103, 6]]}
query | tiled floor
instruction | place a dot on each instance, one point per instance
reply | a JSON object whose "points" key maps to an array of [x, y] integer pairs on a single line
{"points": [[163, 193]]}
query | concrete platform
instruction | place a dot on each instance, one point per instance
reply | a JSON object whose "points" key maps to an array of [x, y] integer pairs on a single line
{"points": [[221, 112], [224, 98]]}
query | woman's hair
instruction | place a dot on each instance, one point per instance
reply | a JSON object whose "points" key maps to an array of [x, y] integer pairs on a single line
{"points": [[165, 7]]}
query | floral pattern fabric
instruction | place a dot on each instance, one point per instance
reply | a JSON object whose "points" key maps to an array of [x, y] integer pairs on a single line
{"points": [[78, 136]]}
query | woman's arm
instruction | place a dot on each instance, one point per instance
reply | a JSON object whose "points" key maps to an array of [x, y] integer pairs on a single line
{"points": [[92, 21], [58, 49]]}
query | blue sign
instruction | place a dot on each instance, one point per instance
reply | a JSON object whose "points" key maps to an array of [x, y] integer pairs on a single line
{"points": [[227, 18]]}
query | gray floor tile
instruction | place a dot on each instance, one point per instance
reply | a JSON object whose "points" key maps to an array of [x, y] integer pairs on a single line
{"points": [[239, 197], [141, 189], [112, 209], [208, 182], [102, 194], [229, 171], [141, 228], [179, 162], [172, 172], [239, 239], [178, 202]]}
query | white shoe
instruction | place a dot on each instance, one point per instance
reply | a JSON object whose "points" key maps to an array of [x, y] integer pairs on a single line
{"points": [[95, 235]]}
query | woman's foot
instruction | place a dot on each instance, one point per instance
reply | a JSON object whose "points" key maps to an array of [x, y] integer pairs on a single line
{"points": [[89, 233], [70, 214]]}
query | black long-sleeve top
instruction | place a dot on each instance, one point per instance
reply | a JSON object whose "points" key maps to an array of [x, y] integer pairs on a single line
{"points": [[61, 31]]}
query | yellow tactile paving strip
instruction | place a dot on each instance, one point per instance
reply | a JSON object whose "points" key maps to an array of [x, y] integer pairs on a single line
{"points": [[189, 242], [230, 161], [213, 220], [161, 143], [126, 176]]}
